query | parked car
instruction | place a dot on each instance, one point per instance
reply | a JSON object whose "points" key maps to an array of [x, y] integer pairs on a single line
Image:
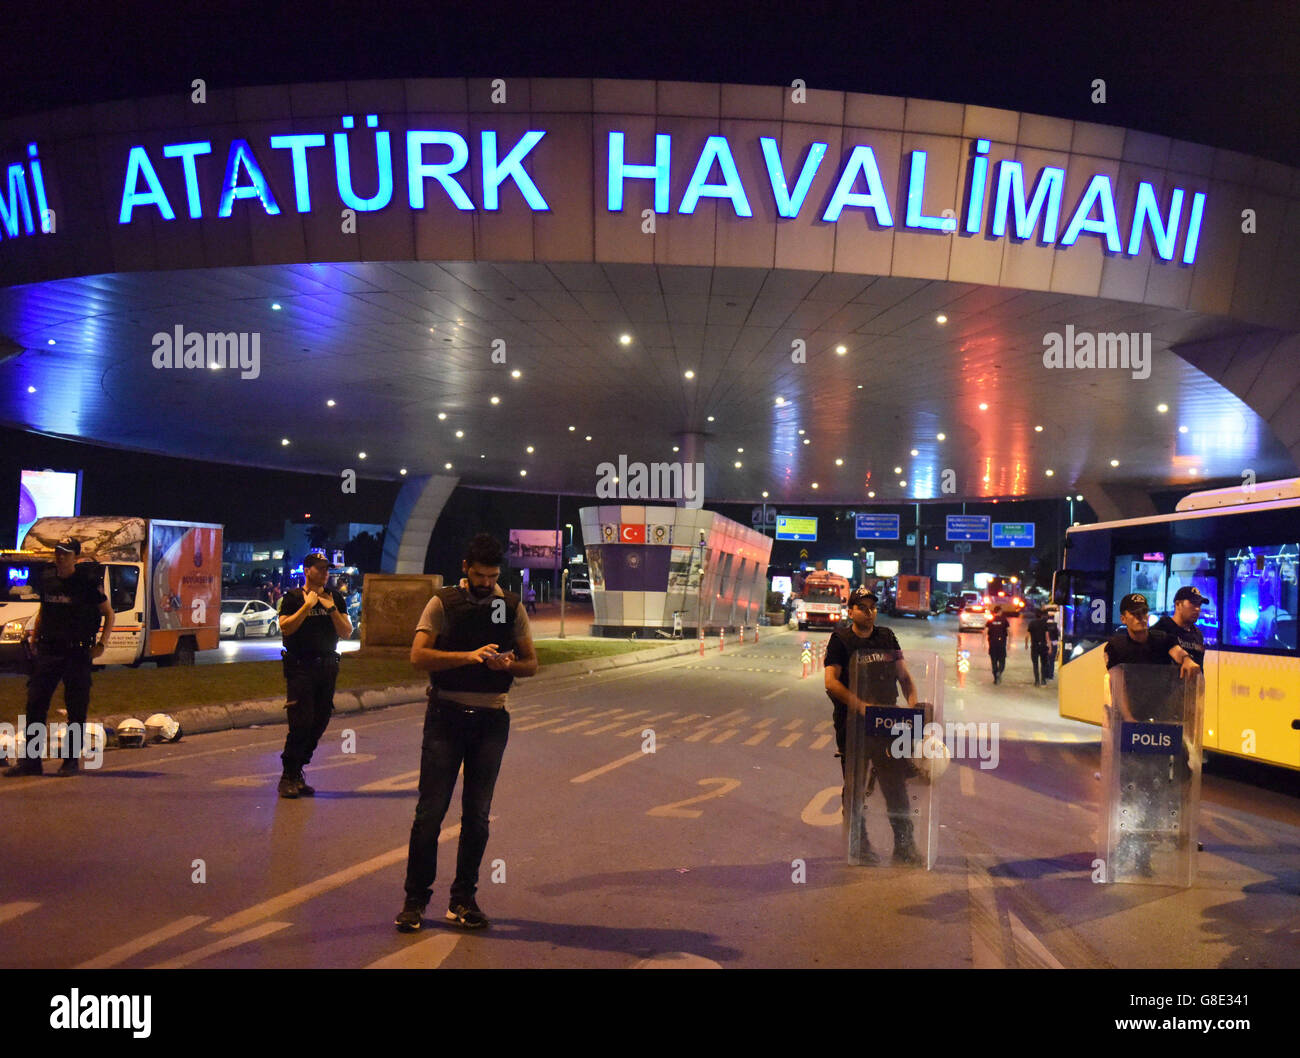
{"points": [[240, 618], [973, 617], [959, 600], [580, 588]]}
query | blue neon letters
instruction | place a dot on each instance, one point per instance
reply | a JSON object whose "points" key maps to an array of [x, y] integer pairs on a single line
{"points": [[996, 198]]}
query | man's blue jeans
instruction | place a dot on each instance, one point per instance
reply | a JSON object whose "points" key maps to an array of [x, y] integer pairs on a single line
{"points": [[454, 735]]}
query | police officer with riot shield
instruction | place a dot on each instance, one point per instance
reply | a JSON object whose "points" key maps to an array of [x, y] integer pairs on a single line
{"points": [[880, 658], [64, 635]]}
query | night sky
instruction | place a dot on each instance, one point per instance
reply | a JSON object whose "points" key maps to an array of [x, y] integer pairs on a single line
{"points": [[1224, 75]]}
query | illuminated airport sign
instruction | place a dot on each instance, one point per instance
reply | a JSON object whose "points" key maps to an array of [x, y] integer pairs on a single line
{"points": [[789, 527], [876, 527], [1013, 534], [973, 527], [365, 164]]}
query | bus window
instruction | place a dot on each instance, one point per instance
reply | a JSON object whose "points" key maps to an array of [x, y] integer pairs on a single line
{"points": [[1143, 574], [1195, 569], [1260, 597]]}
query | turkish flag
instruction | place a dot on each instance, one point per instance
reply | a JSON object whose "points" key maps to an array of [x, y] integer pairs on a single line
{"points": [[631, 534]]}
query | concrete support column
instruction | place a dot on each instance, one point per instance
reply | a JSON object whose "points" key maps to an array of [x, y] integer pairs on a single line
{"points": [[415, 512], [1114, 503]]}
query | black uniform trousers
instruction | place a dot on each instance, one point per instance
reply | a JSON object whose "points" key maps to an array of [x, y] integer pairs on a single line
{"points": [[891, 775], [310, 680], [55, 662]]}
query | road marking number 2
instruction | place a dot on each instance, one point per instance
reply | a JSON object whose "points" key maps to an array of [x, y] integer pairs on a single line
{"points": [[678, 809]]}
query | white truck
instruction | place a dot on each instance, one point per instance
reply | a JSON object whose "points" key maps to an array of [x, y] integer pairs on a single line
{"points": [[162, 578]]}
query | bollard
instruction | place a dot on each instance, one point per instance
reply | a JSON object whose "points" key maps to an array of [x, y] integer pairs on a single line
{"points": [[963, 664], [701, 640], [806, 658], [742, 633], [722, 639]]}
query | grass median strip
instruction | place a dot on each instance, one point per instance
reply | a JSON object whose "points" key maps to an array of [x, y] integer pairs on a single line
{"points": [[148, 689]]}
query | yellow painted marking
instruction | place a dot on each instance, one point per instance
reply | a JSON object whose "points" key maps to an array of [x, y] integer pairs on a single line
{"points": [[607, 727], [823, 725], [587, 776], [224, 944], [303, 893], [766, 697], [790, 740], [540, 723], [692, 716], [657, 716], [726, 735], [701, 734], [407, 780], [678, 809], [794, 725], [766, 723], [677, 960], [122, 952], [262, 777], [967, 781], [756, 739], [825, 809], [822, 741], [1041, 736], [16, 908], [570, 727], [429, 954]]}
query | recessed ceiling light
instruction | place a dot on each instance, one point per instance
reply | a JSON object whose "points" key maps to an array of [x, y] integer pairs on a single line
{"points": [[871, 494], [284, 440], [814, 484], [780, 401], [941, 437], [361, 455], [1162, 408], [460, 433], [736, 464], [1193, 469], [529, 449], [807, 441], [495, 400], [1051, 473], [764, 495], [839, 462], [898, 470], [442, 415], [31, 389], [1182, 429], [801, 433], [572, 428], [1114, 462], [329, 404], [1079, 497], [689, 374], [588, 437], [625, 339], [902, 484], [984, 407], [50, 342], [841, 349], [446, 466], [1038, 429], [275, 305], [740, 450], [402, 471], [516, 373], [941, 318], [711, 418], [523, 473], [675, 448]]}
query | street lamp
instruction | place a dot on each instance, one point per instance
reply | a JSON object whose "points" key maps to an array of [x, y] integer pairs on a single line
{"points": [[569, 526]]}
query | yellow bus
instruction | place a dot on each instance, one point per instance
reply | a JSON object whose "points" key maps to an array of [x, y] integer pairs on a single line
{"points": [[1240, 547]]}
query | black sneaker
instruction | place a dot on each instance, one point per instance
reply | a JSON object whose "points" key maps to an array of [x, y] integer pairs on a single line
{"points": [[467, 915], [303, 789], [410, 918], [288, 786], [17, 771], [69, 767]]}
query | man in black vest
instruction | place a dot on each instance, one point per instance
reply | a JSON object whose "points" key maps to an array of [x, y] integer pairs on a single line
{"points": [[878, 649], [473, 640], [64, 636], [312, 618], [1182, 623], [1038, 637]]}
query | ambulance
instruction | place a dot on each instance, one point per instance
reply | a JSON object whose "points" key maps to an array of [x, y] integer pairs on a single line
{"points": [[162, 578]]}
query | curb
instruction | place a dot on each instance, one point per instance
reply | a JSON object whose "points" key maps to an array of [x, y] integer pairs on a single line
{"points": [[229, 716]]}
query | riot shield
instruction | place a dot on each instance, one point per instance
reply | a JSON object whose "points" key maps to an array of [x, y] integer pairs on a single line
{"points": [[895, 757], [1151, 775]]}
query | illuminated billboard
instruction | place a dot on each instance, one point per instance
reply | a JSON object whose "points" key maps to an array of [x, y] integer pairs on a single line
{"points": [[790, 527], [44, 494]]}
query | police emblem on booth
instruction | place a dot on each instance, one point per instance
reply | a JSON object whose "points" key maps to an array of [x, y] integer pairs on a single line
{"points": [[609, 533], [633, 560], [660, 534]]}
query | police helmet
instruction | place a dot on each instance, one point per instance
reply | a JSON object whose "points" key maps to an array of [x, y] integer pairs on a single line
{"points": [[162, 728], [130, 734]]}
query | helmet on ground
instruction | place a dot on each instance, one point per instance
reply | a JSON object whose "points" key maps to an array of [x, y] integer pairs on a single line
{"points": [[130, 734], [162, 728]]}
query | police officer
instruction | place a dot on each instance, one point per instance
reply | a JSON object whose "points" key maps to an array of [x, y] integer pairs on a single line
{"points": [[312, 618], [64, 637], [1038, 639], [1182, 624], [874, 644], [1140, 644], [1053, 638], [473, 640], [997, 630]]}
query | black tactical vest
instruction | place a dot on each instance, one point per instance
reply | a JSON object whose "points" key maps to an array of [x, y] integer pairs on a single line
{"points": [[468, 625], [880, 678]]}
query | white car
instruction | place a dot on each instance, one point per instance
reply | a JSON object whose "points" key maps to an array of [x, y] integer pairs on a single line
{"points": [[246, 617], [580, 588], [972, 617]]}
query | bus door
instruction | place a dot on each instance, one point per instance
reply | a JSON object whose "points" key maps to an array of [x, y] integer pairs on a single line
{"points": [[1084, 600]]}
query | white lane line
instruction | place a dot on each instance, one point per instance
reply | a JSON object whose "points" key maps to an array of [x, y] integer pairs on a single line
{"points": [[779, 690], [303, 893], [587, 776], [407, 780], [570, 727], [224, 944], [429, 954], [122, 952], [18, 907], [540, 723], [676, 960], [1030, 952], [262, 777], [606, 727]]}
